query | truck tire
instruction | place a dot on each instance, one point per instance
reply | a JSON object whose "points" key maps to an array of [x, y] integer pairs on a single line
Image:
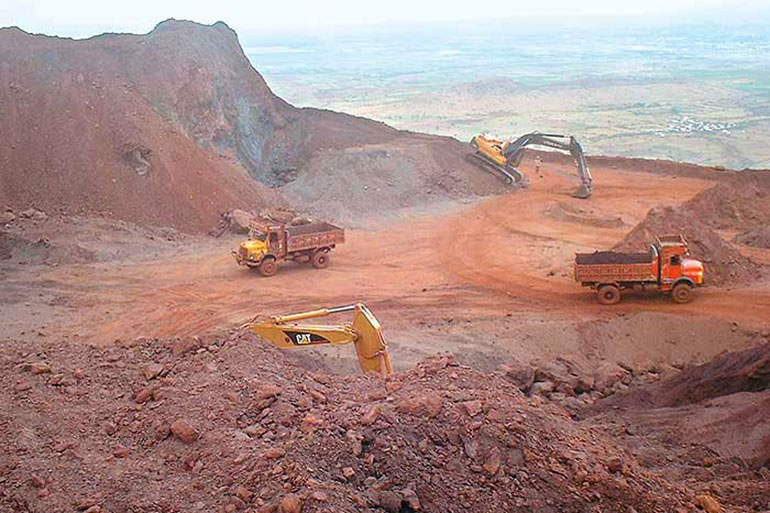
{"points": [[320, 259], [268, 267], [608, 295], [682, 293]]}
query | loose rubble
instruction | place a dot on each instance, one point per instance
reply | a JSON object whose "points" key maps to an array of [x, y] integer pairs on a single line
{"points": [[239, 429]]}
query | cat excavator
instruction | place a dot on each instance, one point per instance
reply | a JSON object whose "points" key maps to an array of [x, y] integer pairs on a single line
{"points": [[504, 156], [365, 333]]}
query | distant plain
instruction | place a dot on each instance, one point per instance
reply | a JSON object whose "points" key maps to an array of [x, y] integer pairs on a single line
{"points": [[698, 95]]}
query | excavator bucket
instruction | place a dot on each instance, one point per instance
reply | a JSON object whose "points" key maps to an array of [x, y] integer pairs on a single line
{"points": [[371, 348], [582, 192]]}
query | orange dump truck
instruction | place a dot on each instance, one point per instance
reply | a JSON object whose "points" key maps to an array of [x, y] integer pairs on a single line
{"points": [[665, 268]]}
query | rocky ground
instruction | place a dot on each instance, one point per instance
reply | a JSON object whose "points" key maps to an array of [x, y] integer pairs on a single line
{"points": [[225, 423], [127, 386]]}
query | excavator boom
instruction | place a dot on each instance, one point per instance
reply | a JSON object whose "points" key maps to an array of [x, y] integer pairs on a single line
{"points": [[364, 332], [505, 156]]}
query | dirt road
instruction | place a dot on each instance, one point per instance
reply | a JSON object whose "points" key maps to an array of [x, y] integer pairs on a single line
{"points": [[484, 280]]}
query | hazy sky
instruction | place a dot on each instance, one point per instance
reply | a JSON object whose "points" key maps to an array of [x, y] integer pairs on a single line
{"points": [[81, 18]]}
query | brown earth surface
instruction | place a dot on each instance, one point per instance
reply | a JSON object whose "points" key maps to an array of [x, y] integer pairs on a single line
{"points": [[228, 424], [713, 415], [121, 391], [758, 237], [738, 201], [500, 267], [174, 127]]}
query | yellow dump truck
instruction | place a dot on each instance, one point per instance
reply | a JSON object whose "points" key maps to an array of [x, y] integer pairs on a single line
{"points": [[268, 244]]}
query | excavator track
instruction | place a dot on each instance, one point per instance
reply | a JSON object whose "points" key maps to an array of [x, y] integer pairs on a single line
{"points": [[509, 175]]}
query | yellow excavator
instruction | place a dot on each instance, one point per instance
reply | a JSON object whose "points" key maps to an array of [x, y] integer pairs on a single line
{"points": [[504, 156], [364, 332]]}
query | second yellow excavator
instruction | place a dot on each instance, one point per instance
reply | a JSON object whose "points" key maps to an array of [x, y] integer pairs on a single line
{"points": [[364, 332], [504, 156]]}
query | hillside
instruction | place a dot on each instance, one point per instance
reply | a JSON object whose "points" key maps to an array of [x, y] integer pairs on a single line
{"points": [[175, 126]]}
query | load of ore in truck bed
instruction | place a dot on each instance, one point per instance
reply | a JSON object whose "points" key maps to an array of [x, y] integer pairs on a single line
{"points": [[612, 257]]}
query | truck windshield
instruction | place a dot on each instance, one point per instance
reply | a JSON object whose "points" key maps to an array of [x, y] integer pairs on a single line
{"points": [[257, 236]]}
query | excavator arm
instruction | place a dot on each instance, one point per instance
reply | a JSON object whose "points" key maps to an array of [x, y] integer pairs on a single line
{"points": [[364, 332], [505, 156]]}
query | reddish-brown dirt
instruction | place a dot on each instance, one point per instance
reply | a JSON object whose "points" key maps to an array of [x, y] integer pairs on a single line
{"points": [[737, 202], [228, 424], [723, 262], [740, 201], [72, 125], [174, 127], [758, 237], [120, 391], [501, 268], [731, 373], [713, 416]]}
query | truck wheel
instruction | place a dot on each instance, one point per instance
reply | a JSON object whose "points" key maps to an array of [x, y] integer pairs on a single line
{"points": [[681, 293], [608, 295], [268, 267], [320, 259]]}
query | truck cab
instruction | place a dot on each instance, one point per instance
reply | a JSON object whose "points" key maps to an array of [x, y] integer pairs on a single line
{"points": [[264, 240], [674, 266]]}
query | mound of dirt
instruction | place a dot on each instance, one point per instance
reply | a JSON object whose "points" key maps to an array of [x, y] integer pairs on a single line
{"points": [[229, 424], [740, 202], [702, 405], [758, 238], [18, 249], [82, 139], [723, 263], [562, 211], [739, 371], [174, 127]]}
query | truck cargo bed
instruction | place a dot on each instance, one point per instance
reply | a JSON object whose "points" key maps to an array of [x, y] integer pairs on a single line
{"points": [[612, 257], [614, 273], [313, 235], [613, 267]]}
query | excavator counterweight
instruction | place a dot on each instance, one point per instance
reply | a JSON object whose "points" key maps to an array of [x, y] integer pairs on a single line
{"points": [[504, 156], [364, 332]]}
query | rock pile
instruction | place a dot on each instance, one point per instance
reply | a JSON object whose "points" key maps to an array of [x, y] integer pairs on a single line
{"points": [[228, 424]]}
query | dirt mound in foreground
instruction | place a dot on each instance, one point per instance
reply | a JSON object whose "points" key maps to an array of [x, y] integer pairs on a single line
{"points": [[721, 404], [740, 371], [723, 263], [229, 424]]}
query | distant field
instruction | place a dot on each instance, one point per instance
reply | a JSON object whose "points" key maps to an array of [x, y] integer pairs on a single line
{"points": [[694, 96]]}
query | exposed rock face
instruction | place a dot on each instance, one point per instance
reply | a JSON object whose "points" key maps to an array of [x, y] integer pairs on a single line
{"points": [[168, 128]]}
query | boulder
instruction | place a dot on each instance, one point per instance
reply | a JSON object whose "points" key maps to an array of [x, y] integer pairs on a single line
{"points": [[543, 387], [184, 431], [607, 375], [34, 214], [241, 221], [520, 374], [7, 217], [567, 376], [291, 504]]}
